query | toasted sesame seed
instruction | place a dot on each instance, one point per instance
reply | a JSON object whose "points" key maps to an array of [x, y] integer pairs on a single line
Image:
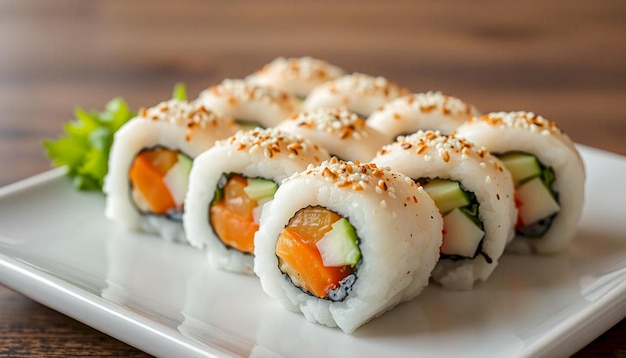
{"points": [[340, 123], [525, 120], [362, 84], [272, 142], [233, 91], [304, 68], [185, 114]]}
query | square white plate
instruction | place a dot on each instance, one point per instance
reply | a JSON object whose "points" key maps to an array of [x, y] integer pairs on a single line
{"points": [[57, 247]]}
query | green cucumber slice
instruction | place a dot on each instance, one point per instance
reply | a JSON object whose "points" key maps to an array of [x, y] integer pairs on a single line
{"points": [[521, 165], [447, 194], [261, 190], [339, 246]]}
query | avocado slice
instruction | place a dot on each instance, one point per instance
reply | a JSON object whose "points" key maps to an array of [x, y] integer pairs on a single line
{"points": [[339, 246]]}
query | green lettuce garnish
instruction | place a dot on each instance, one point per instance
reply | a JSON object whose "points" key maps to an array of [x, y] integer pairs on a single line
{"points": [[85, 145]]}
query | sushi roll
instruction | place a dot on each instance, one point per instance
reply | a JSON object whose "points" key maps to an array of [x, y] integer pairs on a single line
{"points": [[359, 93], [297, 76], [426, 111], [250, 105], [344, 242], [149, 165], [343, 133], [548, 172], [228, 186], [473, 192]]}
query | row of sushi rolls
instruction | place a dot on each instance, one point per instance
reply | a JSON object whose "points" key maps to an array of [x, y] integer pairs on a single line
{"points": [[346, 194]]}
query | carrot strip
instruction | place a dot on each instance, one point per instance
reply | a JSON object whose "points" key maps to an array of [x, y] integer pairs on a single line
{"points": [[148, 179]]}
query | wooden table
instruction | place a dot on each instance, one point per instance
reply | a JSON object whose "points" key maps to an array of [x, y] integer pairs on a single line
{"points": [[563, 59]]}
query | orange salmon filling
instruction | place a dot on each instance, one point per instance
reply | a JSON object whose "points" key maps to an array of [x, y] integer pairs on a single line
{"points": [[146, 175], [232, 216], [299, 258]]}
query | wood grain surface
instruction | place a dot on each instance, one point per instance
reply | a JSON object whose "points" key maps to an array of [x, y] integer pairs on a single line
{"points": [[565, 60]]}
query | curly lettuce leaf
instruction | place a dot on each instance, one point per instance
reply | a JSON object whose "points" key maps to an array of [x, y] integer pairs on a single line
{"points": [[85, 145]]}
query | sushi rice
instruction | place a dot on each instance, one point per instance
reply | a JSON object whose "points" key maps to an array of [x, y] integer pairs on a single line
{"points": [[399, 234], [297, 76], [430, 154], [527, 132], [173, 125], [260, 153]]}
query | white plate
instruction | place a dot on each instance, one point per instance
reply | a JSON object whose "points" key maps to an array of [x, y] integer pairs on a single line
{"points": [[56, 247]]}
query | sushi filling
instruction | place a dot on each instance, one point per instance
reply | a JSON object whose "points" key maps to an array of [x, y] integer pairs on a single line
{"points": [[463, 231], [318, 251], [236, 208], [536, 200], [158, 180], [247, 125]]}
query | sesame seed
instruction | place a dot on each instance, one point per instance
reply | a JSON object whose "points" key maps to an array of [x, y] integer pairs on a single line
{"points": [[233, 91], [272, 142], [185, 114], [340, 123], [524, 120], [362, 84], [355, 176], [303, 68]]}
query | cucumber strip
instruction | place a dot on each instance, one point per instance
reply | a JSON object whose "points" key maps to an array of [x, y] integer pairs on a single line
{"points": [[522, 166], [260, 189], [339, 247], [464, 230], [447, 194]]}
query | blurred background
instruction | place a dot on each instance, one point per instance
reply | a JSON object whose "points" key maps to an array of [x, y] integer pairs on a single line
{"points": [[562, 59]]}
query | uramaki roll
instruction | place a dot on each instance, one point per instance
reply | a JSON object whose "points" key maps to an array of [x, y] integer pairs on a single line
{"points": [[358, 92], [250, 105], [344, 242], [297, 76], [548, 172], [474, 193], [425, 111], [229, 184], [343, 133], [150, 161]]}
